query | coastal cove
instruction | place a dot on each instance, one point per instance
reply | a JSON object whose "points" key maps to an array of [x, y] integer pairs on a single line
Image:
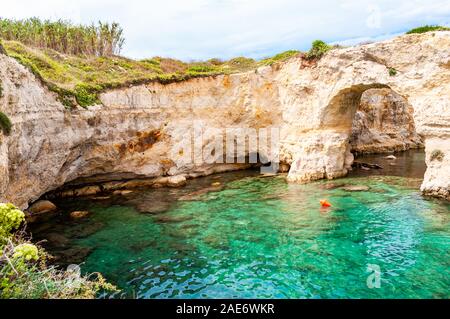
{"points": [[246, 235], [307, 174]]}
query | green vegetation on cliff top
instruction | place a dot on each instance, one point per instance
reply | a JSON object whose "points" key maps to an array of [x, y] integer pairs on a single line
{"points": [[79, 79], [78, 62]]}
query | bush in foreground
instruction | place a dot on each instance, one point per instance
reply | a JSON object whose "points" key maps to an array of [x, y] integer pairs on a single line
{"points": [[24, 273]]}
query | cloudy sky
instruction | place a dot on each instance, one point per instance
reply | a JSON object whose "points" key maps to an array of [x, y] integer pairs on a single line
{"points": [[201, 29]]}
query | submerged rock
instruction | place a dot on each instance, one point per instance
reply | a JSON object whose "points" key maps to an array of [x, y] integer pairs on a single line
{"points": [[329, 185], [87, 229], [366, 166], [73, 255], [79, 214], [153, 208], [355, 188], [198, 194], [171, 219], [57, 240]]}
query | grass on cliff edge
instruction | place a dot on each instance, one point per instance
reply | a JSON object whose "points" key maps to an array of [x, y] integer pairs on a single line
{"points": [[427, 28], [79, 79]]}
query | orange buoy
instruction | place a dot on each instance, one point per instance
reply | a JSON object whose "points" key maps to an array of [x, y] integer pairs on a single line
{"points": [[325, 203]]}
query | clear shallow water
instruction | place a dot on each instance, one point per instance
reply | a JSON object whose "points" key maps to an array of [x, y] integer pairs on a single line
{"points": [[259, 237]]}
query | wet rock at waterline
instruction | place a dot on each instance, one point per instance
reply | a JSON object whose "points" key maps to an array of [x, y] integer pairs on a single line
{"points": [[363, 165], [41, 207], [196, 195], [176, 181], [73, 255], [122, 192]]}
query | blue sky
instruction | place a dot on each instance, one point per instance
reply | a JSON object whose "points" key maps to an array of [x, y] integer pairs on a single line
{"points": [[201, 29]]}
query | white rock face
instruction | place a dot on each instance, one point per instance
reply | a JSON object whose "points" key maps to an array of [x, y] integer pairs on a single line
{"points": [[146, 130], [383, 122]]}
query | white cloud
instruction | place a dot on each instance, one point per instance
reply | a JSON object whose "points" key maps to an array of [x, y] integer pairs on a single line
{"points": [[199, 29]]}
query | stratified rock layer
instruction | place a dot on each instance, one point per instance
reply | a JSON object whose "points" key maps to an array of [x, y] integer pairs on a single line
{"points": [[145, 131]]}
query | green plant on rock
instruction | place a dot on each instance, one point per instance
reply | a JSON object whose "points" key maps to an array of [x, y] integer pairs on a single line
{"points": [[5, 123], [427, 28], [318, 49], [26, 252], [392, 72], [86, 95]]}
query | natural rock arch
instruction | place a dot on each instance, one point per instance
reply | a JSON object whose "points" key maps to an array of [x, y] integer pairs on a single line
{"points": [[325, 153], [341, 109]]}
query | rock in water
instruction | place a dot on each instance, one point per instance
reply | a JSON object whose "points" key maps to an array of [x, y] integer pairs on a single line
{"points": [[391, 157], [176, 181], [41, 207], [79, 214], [122, 192], [356, 188]]}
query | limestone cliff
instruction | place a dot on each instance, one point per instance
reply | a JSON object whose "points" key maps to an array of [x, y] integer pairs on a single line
{"points": [[383, 122], [141, 131]]}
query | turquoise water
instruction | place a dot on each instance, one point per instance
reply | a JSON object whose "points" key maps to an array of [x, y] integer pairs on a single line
{"points": [[259, 237]]}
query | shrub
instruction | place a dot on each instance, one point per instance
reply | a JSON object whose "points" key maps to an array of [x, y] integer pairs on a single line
{"points": [[437, 155], [427, 28], [392, 71], [241, 63], [5, 123], [318, 49], [10, 219], [280, 57], [24, 272]]}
